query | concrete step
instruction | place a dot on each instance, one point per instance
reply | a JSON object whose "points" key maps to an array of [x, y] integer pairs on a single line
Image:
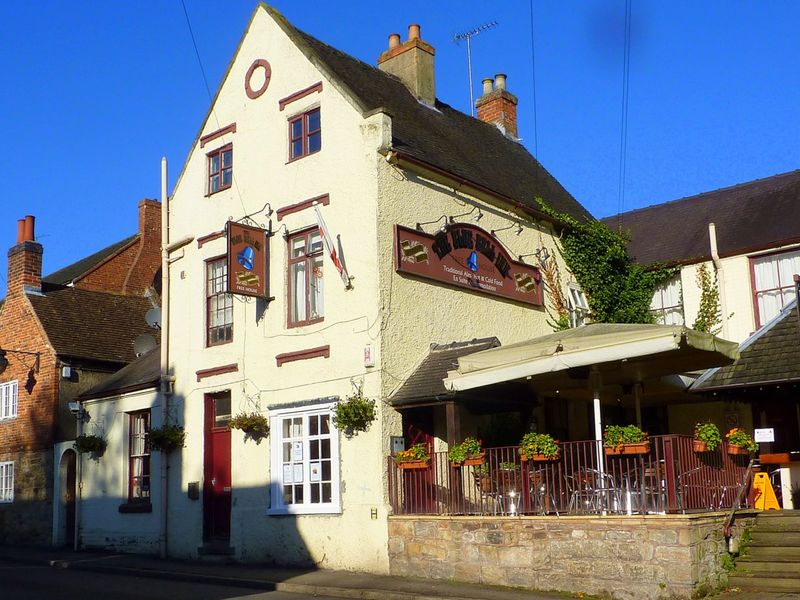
{"points": [[774, 538], [778, 524], [755, 568], [765, 553], [763, 584]]}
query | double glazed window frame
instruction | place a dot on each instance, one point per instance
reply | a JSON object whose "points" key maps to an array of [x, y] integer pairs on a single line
{"points": [[311, 264], [219, 166], [9, 400], [783, 285], [305, 133], [296, 453], [218, 303], [139, 457]]}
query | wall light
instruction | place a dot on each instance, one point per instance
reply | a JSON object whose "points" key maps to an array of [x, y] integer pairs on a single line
{"points": [[514, 224], [4, 359], [442, 228]]}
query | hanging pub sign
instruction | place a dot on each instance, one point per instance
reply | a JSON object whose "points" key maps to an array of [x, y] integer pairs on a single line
{"points": [[248, 255], [466, 256]]}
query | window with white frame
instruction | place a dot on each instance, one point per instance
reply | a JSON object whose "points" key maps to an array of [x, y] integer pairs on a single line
{"points": [[578, 306], [139, 457], [305, 461], [6, 482], [667, 303], [773, 283], [8, 400]]}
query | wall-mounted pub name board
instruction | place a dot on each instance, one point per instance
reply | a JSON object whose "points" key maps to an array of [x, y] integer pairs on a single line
{"points": [[248, 256], [468, 257]]}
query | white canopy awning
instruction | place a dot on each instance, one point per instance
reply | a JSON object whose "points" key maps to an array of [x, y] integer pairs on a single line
{"points": [[650, 350]]}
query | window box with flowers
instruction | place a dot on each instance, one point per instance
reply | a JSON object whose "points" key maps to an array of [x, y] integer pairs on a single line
{"points": [[468, 453], [740, 442], [707, 437], [539, 447], [625, 440], [254, 425], [416, 457]]}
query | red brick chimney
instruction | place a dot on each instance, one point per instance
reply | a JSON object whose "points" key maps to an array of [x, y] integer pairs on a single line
{"points": [[412, 63], [150, 220], [498, 106], [141, 274], [25, 260]]}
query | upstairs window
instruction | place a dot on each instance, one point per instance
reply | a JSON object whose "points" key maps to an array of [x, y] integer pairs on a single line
{"points": [[773, 283], [219, 305], [220, 169], [6, 482], [667, 305], [578, 307], [139, 457], [305, 134], [8, 400], [305, 278]]}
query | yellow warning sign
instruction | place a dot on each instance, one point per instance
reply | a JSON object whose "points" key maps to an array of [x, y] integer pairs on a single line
{"points": [[764, 494]]}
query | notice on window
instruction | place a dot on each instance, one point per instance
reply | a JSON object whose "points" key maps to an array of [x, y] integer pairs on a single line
{"points": [[297, 451], [314, 474], [764, 436], [287, 473], [298, 473]]}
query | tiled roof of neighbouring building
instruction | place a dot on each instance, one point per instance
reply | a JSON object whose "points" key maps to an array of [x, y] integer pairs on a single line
{"points": [[143, 373], [751, 216], [79, 268]]}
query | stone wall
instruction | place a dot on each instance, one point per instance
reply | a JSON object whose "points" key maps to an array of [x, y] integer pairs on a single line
{"points": [[29, 519], [673, 556]]}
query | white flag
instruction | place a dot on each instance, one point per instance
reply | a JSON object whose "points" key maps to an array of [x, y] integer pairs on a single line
{"points": [[326, 238]]}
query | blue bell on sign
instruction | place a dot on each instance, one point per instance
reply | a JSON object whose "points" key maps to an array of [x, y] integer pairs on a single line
{"points": [[472, 261], [245, 258]]}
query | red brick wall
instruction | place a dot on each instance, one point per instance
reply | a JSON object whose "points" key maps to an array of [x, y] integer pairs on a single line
{"points": [[24, 267], [499, 107]]}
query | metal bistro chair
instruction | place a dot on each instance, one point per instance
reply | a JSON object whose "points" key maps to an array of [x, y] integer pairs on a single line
{"points": [[489, 495], [542, 501], [593, 492]]}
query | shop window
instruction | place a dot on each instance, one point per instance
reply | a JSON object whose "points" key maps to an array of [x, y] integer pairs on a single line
{"points": [[220, 169], [306, 303], [667, 303], [8, 400], [773, 283], [304, 461], [6, 482], [139, 457], [219, 305], [305, 134]]}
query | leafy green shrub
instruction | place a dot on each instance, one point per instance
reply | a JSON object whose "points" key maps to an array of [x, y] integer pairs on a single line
{"points": [[90, 443], [470, 448], [618, 435], [709, 434], [354, 414], [167, 438], [539, 443], [254, 425]]}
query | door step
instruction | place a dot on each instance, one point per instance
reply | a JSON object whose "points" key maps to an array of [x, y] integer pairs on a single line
{"points": [[217, 552]]}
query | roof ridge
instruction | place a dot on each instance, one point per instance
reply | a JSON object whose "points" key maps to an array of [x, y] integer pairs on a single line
{"points": [[91, 261], [742, 184]]}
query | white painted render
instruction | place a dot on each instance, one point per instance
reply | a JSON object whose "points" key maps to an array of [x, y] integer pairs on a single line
{"points": [[105, 479], [400, 317]]}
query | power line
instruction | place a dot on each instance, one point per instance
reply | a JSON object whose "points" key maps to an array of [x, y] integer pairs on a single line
{"points": [[196, 51], [623, 133], [533, 75]]}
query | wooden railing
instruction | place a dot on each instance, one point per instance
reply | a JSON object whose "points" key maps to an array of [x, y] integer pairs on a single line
{"points": [[669, 478]]}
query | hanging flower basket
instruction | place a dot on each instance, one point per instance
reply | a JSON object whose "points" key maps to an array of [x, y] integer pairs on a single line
{"points": [[88, 443], [167, 438], [254, 425], [353, 414]]}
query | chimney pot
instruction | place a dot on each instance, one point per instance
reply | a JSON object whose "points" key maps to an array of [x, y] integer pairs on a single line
{"points": [[500, 81], [394, 40], [413, 32], [28, 234], [487, 85], [20, 230]]}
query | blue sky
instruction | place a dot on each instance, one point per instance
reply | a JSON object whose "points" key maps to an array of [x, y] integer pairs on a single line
{"points": [[96, 92]]}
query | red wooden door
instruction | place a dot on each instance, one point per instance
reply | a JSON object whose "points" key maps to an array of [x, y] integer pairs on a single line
{"points": [[217, 468]]}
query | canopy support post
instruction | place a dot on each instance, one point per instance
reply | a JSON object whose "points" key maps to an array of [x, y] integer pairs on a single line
{"points": [[453, 424], [637, 402], [596, 383]]}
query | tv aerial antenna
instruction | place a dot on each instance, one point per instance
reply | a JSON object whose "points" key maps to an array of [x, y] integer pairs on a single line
{"points": [[468, 35]]}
